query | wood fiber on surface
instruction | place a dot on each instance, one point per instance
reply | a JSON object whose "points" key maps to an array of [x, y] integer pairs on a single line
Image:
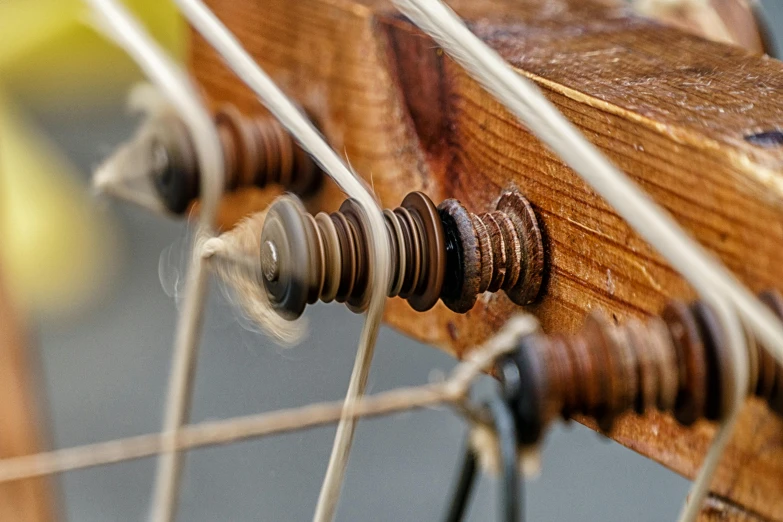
{"points": [[669, 109]]}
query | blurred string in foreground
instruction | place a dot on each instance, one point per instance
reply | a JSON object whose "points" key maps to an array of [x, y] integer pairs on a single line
{"points": [[56, 246]]}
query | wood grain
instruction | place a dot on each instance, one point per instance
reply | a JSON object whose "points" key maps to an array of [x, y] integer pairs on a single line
{"points": [[668, 108], [717, 509]]}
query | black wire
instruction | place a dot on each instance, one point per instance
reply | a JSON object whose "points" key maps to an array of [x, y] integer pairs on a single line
{"points": [[505, 427], [511, 495], [467, 478]]}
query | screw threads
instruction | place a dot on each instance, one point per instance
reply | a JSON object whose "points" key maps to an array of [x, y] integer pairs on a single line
{"points": [[256, 152], [503, 257], [437, 253], [336, 266], [498, 250], [678, 362]]}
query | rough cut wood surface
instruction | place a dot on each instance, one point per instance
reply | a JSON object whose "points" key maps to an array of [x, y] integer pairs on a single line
{"points": [[670, 109], [720, 510]]}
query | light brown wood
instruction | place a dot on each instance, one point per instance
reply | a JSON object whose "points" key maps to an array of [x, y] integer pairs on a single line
{"points": [[728, 21], [719, 510], [668, 108], [26, 500]]}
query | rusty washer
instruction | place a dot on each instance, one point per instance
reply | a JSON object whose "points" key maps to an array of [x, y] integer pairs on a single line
{"points": [[256, 152], [606, 370], [437, 253]]}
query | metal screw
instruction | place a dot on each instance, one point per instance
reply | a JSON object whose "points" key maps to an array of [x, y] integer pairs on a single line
{"points": [[270, 262], [441, 253], [677, 362], [257, 151]]}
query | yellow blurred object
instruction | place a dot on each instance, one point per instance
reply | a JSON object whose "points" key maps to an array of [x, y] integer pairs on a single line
{"points": [[56, 248], [51, 53], [54, 244]]}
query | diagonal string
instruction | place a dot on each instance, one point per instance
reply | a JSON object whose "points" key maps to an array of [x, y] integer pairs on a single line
{"points": [[237, 58], [453, 391], [121, 26], [717, 286]]}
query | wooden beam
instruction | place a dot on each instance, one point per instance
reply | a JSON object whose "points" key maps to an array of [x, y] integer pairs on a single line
{"points": [[670, 109], [25, 500], [720, 510]]}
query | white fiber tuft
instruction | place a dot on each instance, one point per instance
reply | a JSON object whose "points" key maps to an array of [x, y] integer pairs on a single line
{"points": [[234, 258]]}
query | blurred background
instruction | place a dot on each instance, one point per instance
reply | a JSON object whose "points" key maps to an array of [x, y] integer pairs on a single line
{"points": [[95, 280]]}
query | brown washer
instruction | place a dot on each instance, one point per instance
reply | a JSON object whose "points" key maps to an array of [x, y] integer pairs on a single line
{"points": [[348, 251], [721, 384], [360, 297], [413, 248], [333, 256], [660, 340], [774, 396], [422, 208], [647, 377], [565, 374], [627, 364], [464, 278], [691, 400], [599, 344], [522, 214]]}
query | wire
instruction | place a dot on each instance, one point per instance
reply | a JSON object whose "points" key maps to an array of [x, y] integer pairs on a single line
{"points": [[465, 482], [122, 27], [505, 428], [454, 391], [226, 44], [715, 284]]}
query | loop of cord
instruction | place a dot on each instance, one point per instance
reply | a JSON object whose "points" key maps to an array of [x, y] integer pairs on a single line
{"points": [[233, 256], [125, 174]]}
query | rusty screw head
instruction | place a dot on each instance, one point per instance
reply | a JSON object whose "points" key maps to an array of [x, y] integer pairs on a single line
{"points": [[463, 257], [528, 285]]}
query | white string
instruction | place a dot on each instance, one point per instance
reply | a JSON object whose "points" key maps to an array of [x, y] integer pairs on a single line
{"points": [[528, 104], [454, 390], [737, 341], [121, 26], [233, 257], [125, 174], [715, 284], [226, 44]]}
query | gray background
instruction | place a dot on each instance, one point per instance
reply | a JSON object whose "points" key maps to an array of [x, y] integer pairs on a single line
{"points": [[105, 376]]}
